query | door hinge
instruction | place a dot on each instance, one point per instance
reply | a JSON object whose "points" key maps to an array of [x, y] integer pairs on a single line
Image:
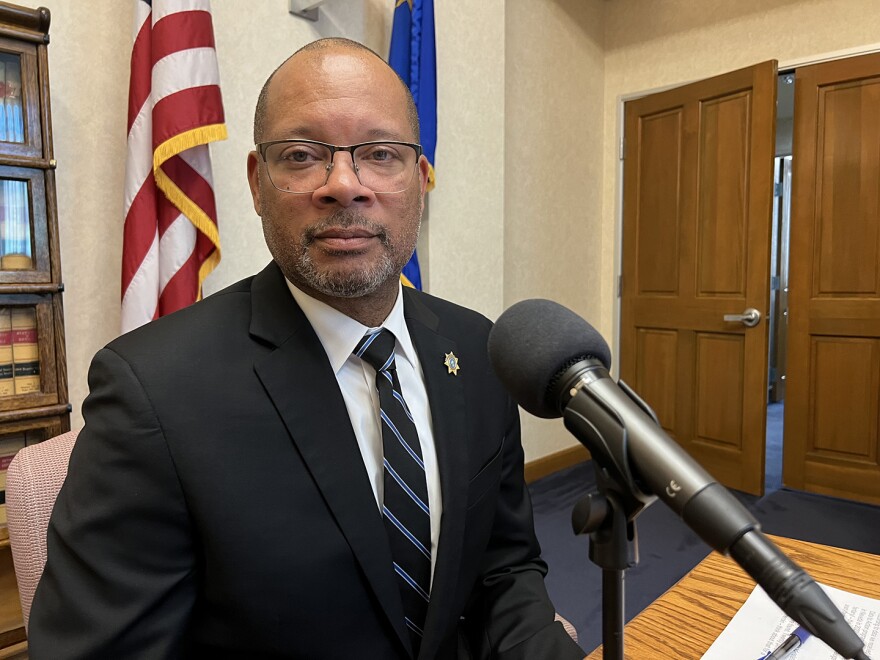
{"points": [[622, 153], [777, 189], [619, 286]]}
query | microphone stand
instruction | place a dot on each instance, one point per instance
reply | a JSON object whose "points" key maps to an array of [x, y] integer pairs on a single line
{"points": [[609, 515], [613, 548]]}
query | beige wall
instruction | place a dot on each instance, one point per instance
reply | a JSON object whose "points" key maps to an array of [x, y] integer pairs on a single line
{"points": [[466, 223], [552, 172]]}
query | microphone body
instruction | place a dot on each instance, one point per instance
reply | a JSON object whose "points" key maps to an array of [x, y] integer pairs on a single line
{"points": [[555, 363], [596, 409]]}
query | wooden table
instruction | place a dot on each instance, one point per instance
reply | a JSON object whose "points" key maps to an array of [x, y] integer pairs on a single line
{"points": [[683, 622]]}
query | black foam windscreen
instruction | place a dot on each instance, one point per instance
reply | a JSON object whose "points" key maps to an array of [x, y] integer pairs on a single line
{"points": [[532, 343]]}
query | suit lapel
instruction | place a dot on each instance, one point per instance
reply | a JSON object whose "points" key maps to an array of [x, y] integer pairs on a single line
{"points": [[299, 380], [446, 398]]}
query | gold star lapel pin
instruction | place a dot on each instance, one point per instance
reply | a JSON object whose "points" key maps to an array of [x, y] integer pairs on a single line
{"points": [[451, 363]]}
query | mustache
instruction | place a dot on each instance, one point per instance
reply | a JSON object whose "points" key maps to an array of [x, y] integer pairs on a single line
{"points": [[345, 219]]}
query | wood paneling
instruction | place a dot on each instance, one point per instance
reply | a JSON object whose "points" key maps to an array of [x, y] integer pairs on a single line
{"points": [[843, 399], [722, 189], [847, 153], [698, 176], [660, 138], [719, 405], [832, 411], [658, 386]]}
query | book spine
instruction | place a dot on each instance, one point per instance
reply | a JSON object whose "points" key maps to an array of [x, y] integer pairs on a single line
{"points": [[7, 384], [25, 350]]}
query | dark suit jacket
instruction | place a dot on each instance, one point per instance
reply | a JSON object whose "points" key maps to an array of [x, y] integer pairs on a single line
{"points": [[217, 505]]}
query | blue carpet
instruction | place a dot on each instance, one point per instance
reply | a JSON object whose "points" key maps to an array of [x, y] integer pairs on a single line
{"points": [[821, 519], [773, 447], [667, 548]]}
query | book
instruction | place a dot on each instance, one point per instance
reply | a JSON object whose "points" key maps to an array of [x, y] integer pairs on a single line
{"points": [[25, 350], [7, 384]]}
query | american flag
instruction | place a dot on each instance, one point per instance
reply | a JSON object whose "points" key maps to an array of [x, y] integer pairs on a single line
{"points": [[171, 242]]}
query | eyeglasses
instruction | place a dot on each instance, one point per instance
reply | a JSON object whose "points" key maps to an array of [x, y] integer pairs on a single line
{"points": [[303, 166]]}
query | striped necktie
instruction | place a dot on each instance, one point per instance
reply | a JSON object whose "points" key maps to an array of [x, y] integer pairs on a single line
{"points": [[405, 509]]}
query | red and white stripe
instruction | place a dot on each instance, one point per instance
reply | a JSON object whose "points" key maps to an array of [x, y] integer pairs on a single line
{"points": [[171, 241]]}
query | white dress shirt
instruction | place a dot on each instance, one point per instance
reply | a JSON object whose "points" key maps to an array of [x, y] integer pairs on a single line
{"points": [[339, 334]]}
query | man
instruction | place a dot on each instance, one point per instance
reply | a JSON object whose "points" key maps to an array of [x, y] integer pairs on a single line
{"points": [[223, 499]]}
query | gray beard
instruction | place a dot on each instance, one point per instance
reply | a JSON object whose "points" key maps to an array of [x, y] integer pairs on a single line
{"points": [[348, 285], [345, 285]]}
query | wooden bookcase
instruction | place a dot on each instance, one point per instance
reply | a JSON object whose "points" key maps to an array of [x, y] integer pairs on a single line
{"points": [[33, 373]]}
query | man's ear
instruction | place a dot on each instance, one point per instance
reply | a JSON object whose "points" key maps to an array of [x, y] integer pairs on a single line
{"points": [[253, 174], [424, 170]]}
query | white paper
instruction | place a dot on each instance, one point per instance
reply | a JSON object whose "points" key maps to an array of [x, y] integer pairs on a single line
{"points": [[760, 626]]}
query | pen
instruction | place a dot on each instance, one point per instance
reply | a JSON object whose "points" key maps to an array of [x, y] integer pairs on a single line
{"points": [[789, 644]]}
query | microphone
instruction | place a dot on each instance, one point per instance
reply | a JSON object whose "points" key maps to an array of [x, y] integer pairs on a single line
{"points": [[555, 364]]}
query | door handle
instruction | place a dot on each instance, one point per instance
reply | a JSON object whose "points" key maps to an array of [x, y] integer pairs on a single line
{"points": [[749, 318]]}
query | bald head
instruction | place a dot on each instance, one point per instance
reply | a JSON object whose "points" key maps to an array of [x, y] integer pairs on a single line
{"points": [[326, 47]]}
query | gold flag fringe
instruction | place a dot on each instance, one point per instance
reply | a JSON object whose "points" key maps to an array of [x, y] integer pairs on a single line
{"points": [[171, 147]]}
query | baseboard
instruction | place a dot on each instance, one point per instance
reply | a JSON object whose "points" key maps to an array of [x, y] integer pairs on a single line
{"points": [[559, 460]]}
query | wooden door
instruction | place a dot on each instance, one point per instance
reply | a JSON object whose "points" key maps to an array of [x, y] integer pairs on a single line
{"points": [[698, 194], [832, 408]]}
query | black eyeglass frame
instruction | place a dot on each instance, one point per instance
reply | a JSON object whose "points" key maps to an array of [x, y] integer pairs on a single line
{"points": [[261, 148]]}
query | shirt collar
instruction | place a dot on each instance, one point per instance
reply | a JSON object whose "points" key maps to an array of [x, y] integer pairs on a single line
{"points": [[339, 334]]}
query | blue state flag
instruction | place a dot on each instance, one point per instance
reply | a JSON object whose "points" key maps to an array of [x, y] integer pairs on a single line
{"points": [[413, 57]]}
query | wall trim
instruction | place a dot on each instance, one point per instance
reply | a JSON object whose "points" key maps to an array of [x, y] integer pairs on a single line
{"points": [[541, 467]]}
